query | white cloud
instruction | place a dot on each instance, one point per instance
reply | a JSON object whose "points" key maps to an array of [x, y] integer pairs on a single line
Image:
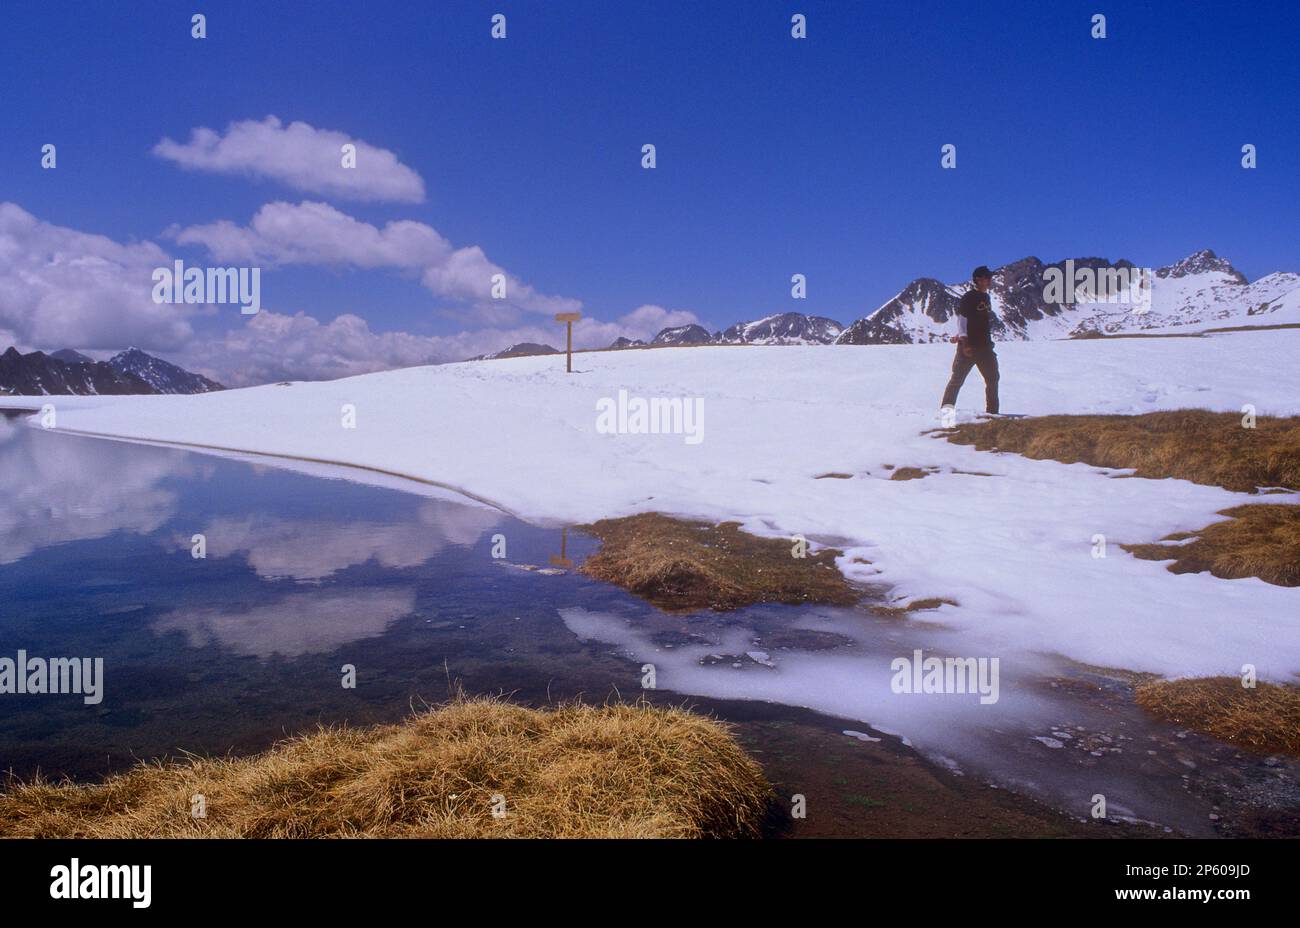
{"points": [[312, 233], [300, 156], [644, 322], [271, 347], [60, 287], [63, 288]]}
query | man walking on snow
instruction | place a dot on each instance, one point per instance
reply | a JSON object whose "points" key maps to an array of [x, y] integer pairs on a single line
{"points": [[974, 343]]}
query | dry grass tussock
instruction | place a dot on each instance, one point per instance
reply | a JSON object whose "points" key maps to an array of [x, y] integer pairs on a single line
{"points": [[678, 565], [909, 473], [1265, 719], [625, 771], [1191, 444], [1258, 541], [928, 604]]}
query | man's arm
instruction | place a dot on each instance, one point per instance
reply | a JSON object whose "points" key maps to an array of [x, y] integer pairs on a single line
{"points": [[961, 341]]}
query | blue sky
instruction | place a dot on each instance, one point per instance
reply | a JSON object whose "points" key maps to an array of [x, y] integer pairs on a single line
{"points": [[775, 156]]}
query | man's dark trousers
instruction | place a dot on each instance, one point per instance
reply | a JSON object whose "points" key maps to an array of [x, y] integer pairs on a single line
{"points": [[986, 359]]}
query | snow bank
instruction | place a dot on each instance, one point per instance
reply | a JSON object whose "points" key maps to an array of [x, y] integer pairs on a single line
{"points": [[1014, 549]]}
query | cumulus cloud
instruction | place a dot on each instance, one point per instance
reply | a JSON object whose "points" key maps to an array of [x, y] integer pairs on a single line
{"points": [[312, 233], [644, 323], [59, 286], [300, 156], [271, 347], [63, 288]]}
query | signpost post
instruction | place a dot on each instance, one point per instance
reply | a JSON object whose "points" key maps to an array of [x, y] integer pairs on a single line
{"points": [[569, 319]]}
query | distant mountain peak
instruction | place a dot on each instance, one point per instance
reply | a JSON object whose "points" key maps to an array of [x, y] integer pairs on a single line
{"points": [[1217, 294], [70, 373], [1201, 262], [39, 374], [163, 376], [68, 356], [526, 349], [690, 334], [788, 328], [520, 350]]}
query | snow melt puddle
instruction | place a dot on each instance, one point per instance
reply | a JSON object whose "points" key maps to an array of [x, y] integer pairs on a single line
{"points": [[1060, 732]]}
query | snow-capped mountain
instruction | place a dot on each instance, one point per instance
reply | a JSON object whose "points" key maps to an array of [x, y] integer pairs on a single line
{"points": [[779, 329], [163, 376], [1199, 292], [782, 329], [521, 350], [683, 335], [39, 374], [1203, 262], [919, 313], [1202, 291], [132, 371]]}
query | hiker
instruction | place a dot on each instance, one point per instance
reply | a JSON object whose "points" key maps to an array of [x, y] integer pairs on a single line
{"points": [[975, 343]]}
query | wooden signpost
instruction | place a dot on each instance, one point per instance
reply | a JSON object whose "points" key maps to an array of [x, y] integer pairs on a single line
{"points": [[570, 319]]}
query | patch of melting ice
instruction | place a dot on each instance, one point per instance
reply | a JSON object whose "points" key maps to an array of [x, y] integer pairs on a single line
{"points": [[1068, 735]]}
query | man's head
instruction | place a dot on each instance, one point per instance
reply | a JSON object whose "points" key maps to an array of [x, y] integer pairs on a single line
{"points": [[982, 277]]}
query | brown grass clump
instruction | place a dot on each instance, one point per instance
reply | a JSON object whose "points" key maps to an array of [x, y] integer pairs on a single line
{"points": [[678, 564], [1265, 719], [1191, 444], [619, 771], [928, 604], [908, 473], [1259, 541]]}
